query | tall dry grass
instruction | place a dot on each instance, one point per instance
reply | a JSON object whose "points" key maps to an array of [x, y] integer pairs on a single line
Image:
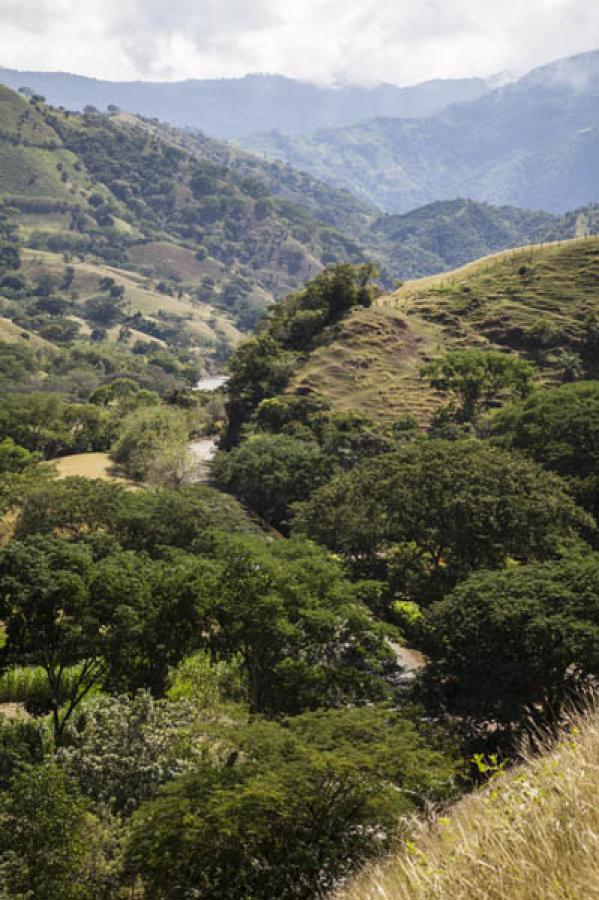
{"points": [[530, 834]]}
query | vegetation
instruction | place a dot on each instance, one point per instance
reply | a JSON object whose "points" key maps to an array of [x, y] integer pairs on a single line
{"points": [[209, 694], [508, 839]]}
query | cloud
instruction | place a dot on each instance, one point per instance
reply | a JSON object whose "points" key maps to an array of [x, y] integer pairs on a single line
{"points": [[401, 41]]}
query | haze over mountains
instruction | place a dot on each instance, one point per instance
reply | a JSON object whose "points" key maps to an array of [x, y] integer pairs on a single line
{"points": [[532, 143], [230, 108]]}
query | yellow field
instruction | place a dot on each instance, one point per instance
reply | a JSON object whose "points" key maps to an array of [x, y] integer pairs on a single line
{"points": [[531, 834]]}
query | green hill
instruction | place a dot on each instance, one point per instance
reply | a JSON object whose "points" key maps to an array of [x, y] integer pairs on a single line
{"points": [[110, 186], [537, 301]]}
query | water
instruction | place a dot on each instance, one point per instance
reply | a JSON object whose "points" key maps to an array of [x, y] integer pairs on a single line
{"points": [[210, 382]]}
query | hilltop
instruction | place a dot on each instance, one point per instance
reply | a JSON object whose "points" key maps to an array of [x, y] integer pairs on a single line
{"points": [[536, 301], [505, 147]]}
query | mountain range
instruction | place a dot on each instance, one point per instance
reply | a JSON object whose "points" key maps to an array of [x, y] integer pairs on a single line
{"points": [[533, 143], [235, 107]]}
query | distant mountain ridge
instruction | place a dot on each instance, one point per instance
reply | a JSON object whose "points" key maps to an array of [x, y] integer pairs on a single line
{"points": [[234, 107], [533, 143]]}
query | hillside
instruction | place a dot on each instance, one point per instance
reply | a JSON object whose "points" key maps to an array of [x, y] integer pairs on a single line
{"points": [[532, 833], [536, 301], [449, 233], [504, 147], [126, 192], [238, 106]]}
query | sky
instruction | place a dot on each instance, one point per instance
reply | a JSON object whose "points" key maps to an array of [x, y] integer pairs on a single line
{"points": [[357, 41]]}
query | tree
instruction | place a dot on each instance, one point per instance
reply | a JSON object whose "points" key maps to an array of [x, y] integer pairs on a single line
{"points": [[269, 472], [513, 646], [10, 257], [44, 836], [426, 516], [300, 804], [559, 428], [475, 380], [149, 435], [297, 627], [119, 622], [127, 747], [258, 369]]}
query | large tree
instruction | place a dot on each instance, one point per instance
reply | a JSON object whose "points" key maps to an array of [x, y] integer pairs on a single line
{"points": [[299, 805], [296, 626], [559, 428], [513, 646], [426, 516], [475, 380], [269, 472]]}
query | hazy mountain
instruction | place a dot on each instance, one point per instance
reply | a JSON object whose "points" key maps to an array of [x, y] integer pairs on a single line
{"points": [[239, 106], [533, 143]]}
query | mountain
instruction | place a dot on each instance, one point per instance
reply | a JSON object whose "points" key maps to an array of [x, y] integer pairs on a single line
{"points": [[449, 233], [536, 301], [532, 143], [234, 107], [133, 193]]}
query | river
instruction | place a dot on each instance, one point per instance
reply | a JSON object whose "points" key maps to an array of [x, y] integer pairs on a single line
{"points": [[210, 383]]}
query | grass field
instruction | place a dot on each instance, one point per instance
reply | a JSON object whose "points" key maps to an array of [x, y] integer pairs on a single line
{"points": [[531, 834], [88, 465]]}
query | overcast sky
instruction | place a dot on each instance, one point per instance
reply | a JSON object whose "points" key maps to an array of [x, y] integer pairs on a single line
{"points": [[400, 41]]}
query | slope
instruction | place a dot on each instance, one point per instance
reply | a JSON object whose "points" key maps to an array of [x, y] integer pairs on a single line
{"points": [[124, 191], [538, 301], [532, 833], [505, 147]]}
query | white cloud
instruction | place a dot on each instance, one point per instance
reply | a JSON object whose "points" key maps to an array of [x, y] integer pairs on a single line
{"points": [[401, 41]]}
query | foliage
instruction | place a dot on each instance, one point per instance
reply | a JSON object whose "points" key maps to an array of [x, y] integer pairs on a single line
{"points": [[474, 380], [302, 636], [123, 748], [270, 472], [427, 515], [46, 424], [153, 444], [558, 428], [44, 836], [511, 647], [306, 801]]}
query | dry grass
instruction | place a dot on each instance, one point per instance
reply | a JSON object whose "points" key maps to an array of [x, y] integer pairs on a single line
{"points": [[88, 465], [530, 834]]}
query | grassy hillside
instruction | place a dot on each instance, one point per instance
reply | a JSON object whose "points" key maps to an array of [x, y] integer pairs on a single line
{"points": [[532, 834], [535, 301]]}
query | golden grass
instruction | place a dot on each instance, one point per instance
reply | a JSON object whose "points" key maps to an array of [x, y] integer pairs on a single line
{"points": [[530, 834], [88, 465]]}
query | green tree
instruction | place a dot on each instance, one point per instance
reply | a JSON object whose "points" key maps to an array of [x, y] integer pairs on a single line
{"points": [[269, 472], [44, 837], [10, 257], [512, 647], [558, 428], [475, 380], [300, 804], [302, 636], [149, 436], [426, 516]]}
